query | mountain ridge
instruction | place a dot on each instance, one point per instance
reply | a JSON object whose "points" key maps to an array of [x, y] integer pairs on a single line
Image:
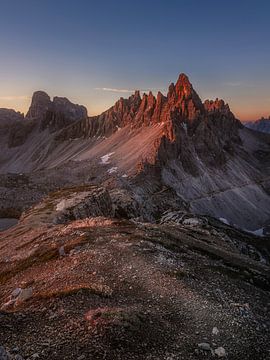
{"points": [[262, 125], [199, 151]]}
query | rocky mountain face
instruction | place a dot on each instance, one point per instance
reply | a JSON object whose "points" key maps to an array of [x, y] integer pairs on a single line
{"points": [[8, 117], [41, 104], [262, 125], [182, 116], [197, 152], [43, 114], [182, 102]]}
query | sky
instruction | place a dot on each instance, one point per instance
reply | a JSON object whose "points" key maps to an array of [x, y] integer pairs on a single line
{"points": [[93, 52]]}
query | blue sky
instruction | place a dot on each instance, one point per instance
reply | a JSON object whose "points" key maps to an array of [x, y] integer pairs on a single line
{"points": [[81, 49]]}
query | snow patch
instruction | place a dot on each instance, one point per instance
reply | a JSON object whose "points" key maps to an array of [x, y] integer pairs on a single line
{"points": [[112, 170], [61, 205], [124, 176], [192, 222], [184, 126], [258, 232], [105, 158], [225, 221]]}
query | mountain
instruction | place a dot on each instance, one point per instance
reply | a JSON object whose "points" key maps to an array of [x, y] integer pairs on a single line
{"points": [[134, 234], [166, 152], [9, 116], [262, 125]]}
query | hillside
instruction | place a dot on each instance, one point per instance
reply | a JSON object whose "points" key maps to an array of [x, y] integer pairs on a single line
{"points": [[77, 281]]}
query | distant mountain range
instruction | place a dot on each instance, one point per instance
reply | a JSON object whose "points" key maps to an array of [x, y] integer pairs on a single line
{"points": [[165, 152], [262, 125]]}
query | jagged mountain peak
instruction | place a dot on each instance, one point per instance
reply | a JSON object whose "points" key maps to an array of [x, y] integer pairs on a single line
{"points": [[137, 94], [183, 86], [182, 104], [217, 105]]}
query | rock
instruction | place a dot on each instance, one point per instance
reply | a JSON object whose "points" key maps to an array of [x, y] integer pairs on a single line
{"points": [[220, 352], [55, 114], [181, 217], [3, 354], [18, 357], [215, 331], [89, 201], [24, 295], [82, 357], [8, 304], [16, 292], [9, 117], [62, 251], [124, 205], [204, 346], [39, 105], [20, 132], [217, 106], [71, 111], [35, 356], [192, 221]]}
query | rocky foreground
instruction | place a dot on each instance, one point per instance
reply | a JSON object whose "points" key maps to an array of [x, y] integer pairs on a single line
{"points": [[78, 280]]}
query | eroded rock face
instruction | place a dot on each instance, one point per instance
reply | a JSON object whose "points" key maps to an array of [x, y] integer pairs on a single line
{"points": [[190, 128], [125, 206], [71, 204], [71, 111], [62, 113], [20, 132], [92, 202], [40, 104], [8, 117], [54, 114], [43, 114]]}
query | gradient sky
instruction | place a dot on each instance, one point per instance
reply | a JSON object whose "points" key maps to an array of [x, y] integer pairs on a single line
{"points": [[80, 48]]}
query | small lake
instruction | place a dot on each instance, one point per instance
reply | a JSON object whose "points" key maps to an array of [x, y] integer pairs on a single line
{"points": [[6, 223]]}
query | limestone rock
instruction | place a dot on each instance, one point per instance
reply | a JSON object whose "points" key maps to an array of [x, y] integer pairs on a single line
{"points": [[39, 105], [92, 202], [220, 352], [24, 295], [204, 346], [8, 117]]}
